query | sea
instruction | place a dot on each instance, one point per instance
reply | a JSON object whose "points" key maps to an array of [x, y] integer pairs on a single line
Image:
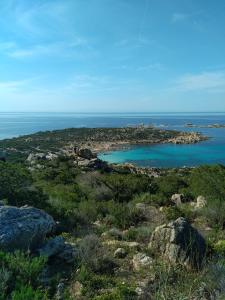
{"points": [[211, 151]]}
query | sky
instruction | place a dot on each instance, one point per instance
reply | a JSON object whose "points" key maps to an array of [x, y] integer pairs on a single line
{"points": [[112, 55]]}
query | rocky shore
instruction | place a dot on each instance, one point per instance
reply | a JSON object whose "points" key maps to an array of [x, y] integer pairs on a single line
{"points": [[187, 138], [180, 138], [190, 125]]}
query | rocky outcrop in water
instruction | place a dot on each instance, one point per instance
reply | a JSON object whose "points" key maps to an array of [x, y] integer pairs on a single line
{"points": [[179, 243]]}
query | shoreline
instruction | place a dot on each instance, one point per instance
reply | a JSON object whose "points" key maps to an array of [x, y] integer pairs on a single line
{"points": [[90, 141], [184, 138], [213, 126]]}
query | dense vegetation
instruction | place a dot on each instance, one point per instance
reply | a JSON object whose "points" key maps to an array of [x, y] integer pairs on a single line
{"points": [[99, 211]]}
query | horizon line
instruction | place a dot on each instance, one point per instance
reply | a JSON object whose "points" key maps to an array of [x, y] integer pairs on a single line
{"points": [[122, 112]]}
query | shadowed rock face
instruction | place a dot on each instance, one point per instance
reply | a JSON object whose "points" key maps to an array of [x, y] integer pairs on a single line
{"points": [[86, 153], [23, 228], [179, 243]]}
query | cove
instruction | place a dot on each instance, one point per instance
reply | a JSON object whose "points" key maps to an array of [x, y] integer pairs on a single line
{"points": [[169, 155]]}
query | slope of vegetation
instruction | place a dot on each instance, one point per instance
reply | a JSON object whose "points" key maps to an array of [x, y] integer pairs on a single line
{"points": [[128, 212], [109, 214]]}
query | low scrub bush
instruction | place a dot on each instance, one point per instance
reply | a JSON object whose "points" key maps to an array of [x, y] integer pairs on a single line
{"points": [[94, 256], [28, 293], [124, 215], [19, 270], [214, 212], [122, 292], [141, 234], [93, 282], [219, 247]]}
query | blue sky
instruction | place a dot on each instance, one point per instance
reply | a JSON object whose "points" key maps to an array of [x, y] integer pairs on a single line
{"points": [[112, 55]]}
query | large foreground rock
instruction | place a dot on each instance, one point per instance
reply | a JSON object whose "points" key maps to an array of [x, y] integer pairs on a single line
{"points": [[178, 242], [23, 228]]}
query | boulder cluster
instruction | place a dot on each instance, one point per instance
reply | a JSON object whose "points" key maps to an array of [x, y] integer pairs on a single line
{"points": [[31, 229]]}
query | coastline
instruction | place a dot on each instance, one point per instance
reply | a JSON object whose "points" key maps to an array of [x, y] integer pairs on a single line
{"points": [[91, 142], [182, 138]]}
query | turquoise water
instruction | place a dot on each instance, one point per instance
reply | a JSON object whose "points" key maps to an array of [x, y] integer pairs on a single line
{"points": [[208, 152], [169, 155]]}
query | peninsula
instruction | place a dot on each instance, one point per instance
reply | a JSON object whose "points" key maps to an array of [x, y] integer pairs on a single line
{"points": [[69, 141]]}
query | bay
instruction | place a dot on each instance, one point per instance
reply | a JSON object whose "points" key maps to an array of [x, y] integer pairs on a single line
{"points": [[166, 155]]}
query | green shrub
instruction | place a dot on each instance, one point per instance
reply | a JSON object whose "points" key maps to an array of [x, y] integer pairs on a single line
{"points": [[173, 212], [17, 186], [219, 247], [89, 251], [28, 293], [94, 256], [24, 268], [140, 234], [208, 181], [5, 278], [20, 270], [214, 212], [93, 282], [184, 210], [88, 209], [125, 186], [170, 184], [156, 200], [124, 215]]}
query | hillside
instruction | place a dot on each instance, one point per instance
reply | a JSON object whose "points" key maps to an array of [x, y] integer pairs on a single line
{"points": [[107, 231]]}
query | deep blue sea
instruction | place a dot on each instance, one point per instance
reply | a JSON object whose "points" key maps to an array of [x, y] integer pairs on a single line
{"points": [[208, 152]]}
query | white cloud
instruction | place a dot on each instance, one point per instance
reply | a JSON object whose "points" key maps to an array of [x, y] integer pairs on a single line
{"points": [[208, 81], [179, 17], [194, 19], [135, 42], [12, 85], [34, 17], [154, 66], [60, 48], [4, 46]]}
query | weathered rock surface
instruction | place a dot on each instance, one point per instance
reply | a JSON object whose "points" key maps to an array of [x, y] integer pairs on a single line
{"points": [[123, 244], [201, 202], [86, 153], [68, 253], [33, 158], [120, 253], [52, 247], [187, 138], [179, 243], [177, 199], [23, 228], [141, 260]]}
